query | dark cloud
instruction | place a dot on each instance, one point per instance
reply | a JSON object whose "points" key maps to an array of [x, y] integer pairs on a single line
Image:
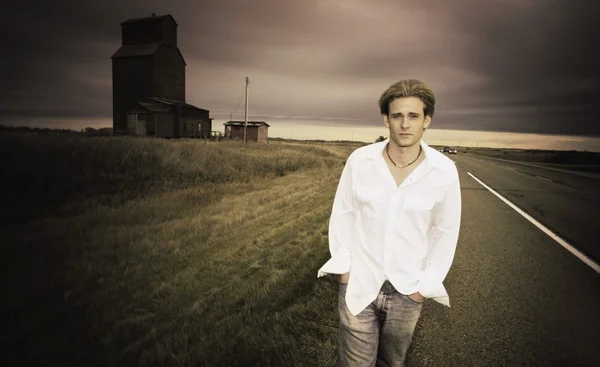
{"points": [[494, 65], [540, 63]]}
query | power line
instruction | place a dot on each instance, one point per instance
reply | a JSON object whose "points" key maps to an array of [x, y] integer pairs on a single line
{"points": [[240, 101]]}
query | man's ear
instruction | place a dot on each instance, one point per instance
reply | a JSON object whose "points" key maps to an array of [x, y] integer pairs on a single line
{"points": [[426, 122], [385, 121]]}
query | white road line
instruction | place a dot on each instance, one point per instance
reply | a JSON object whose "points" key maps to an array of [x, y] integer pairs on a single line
{"points": [[544, 229], [543, 178]]}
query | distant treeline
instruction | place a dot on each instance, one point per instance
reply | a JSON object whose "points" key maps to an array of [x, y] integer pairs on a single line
{"points": [[319, 141], [105, 131]]}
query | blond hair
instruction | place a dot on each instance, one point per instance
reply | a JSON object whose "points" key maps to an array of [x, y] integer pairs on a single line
{"points": [[408, 88]]}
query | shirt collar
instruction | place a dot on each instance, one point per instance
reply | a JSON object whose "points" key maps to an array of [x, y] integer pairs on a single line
{"points": [[431, 155]]}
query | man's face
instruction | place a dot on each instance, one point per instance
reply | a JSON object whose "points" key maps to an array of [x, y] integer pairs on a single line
{"points": [[406, 121]]}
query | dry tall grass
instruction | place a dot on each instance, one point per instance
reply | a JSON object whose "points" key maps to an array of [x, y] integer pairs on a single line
{"points": [[171, 253], [47, 172]]}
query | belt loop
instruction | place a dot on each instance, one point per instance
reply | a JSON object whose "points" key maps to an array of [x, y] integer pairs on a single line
{"points": [[387, 287]]}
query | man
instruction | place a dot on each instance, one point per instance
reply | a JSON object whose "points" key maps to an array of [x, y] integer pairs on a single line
{"points": [[393, 231]]}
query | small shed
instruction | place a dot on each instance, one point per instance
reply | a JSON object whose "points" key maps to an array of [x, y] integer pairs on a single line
{"points": [[258, 131], [167, 118]]}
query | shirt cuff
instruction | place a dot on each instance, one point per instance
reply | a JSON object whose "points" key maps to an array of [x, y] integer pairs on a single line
{"points": [[338, 264], [431, 288]]}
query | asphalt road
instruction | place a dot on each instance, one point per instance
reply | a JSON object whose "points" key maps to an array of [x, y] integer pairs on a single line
{"points": [[518, 298]]}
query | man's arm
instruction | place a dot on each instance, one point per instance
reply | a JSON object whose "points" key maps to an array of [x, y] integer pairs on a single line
{"points": [[444, 238], [341, 228]]}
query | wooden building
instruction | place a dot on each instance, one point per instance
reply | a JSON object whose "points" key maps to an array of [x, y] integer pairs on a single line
{"points": [[148, 75], [165, 118], [258, 131]]}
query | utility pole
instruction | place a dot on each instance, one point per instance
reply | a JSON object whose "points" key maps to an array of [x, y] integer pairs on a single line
{"points": [[230, 116], [246, 114]]}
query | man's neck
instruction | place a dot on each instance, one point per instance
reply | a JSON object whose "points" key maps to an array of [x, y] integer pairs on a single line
{"points": [[403, 155]]}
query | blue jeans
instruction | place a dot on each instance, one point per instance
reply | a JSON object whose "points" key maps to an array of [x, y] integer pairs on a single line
{"points": [[381, 334]]}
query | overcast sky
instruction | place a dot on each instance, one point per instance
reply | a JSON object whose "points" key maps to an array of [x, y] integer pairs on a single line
{"points": [[513, 65]]}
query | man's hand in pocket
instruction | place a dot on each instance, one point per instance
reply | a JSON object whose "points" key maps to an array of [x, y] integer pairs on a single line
{"points": [[417, 297]]}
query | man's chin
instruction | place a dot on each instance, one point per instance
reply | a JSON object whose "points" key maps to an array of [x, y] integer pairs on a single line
{"points": [[405, 143]]}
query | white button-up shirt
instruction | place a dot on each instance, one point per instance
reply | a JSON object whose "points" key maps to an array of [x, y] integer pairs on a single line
{"points": [[406, 234]]}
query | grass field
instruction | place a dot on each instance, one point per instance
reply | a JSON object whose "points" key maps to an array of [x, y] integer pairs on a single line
{"points": [[131, 251]]}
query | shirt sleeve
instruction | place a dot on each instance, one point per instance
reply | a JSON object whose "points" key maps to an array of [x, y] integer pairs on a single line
{"points": [[341, 226], [443, 242]]}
